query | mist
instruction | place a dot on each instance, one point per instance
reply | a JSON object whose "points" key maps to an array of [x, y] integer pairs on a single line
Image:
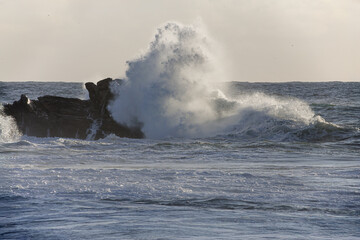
{"points": [[261, 40]]}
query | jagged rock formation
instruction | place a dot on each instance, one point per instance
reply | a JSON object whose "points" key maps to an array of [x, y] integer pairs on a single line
{"points": [[52, 116]]}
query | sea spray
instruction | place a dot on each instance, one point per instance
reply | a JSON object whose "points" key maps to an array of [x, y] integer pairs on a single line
{"points": [[172, 91], [169, 89], [8, 129]]}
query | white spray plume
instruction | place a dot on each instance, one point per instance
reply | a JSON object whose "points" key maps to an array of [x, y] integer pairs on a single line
{"points": [[171, 90]]}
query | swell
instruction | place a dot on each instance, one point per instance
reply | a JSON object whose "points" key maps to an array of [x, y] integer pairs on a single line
{"points": [[237, 204]]}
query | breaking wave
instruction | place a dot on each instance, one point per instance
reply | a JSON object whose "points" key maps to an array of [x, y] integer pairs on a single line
{"points": [[172, 91]]}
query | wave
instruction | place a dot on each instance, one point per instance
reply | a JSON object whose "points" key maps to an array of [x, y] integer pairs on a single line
{"points": [[235, 204], [172, 91], [258, 126]]}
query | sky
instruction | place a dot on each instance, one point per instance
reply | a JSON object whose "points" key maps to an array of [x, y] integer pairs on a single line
{"points": [[261, 40]]}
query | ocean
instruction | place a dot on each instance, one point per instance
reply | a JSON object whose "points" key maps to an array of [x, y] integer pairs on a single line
{"points": [[282, 163]]}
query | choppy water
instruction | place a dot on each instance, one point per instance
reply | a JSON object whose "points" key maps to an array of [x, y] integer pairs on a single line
{"points": [[268, 177]]}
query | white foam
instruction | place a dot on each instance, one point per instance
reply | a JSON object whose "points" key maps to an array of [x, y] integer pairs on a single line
{"points": [[8, 129]]}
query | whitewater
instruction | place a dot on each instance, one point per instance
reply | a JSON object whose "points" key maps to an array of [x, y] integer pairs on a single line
{"points": [[221, 159]]}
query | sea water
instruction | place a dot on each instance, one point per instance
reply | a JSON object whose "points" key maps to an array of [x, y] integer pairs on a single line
{"points": [[276, 180]]}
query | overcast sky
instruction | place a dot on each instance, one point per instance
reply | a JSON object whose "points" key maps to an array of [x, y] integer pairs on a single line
{"points": [[263, 40]]}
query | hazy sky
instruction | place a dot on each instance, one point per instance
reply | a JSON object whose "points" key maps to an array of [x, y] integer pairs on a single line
{"points": [[263, 40]]}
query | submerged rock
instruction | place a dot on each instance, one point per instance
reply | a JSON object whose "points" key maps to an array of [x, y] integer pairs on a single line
{"points": [[52, 116]]}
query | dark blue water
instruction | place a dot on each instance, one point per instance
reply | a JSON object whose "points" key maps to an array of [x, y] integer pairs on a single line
{"points": [[288, 169]]}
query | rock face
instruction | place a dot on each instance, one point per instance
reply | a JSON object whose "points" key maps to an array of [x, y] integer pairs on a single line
{"points": [[52, 116]]}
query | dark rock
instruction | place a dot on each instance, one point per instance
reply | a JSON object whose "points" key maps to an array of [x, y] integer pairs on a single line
{"points": [[52, 116]]}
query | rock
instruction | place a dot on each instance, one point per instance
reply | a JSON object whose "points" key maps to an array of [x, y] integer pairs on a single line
{"points": [[52, 116]]}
